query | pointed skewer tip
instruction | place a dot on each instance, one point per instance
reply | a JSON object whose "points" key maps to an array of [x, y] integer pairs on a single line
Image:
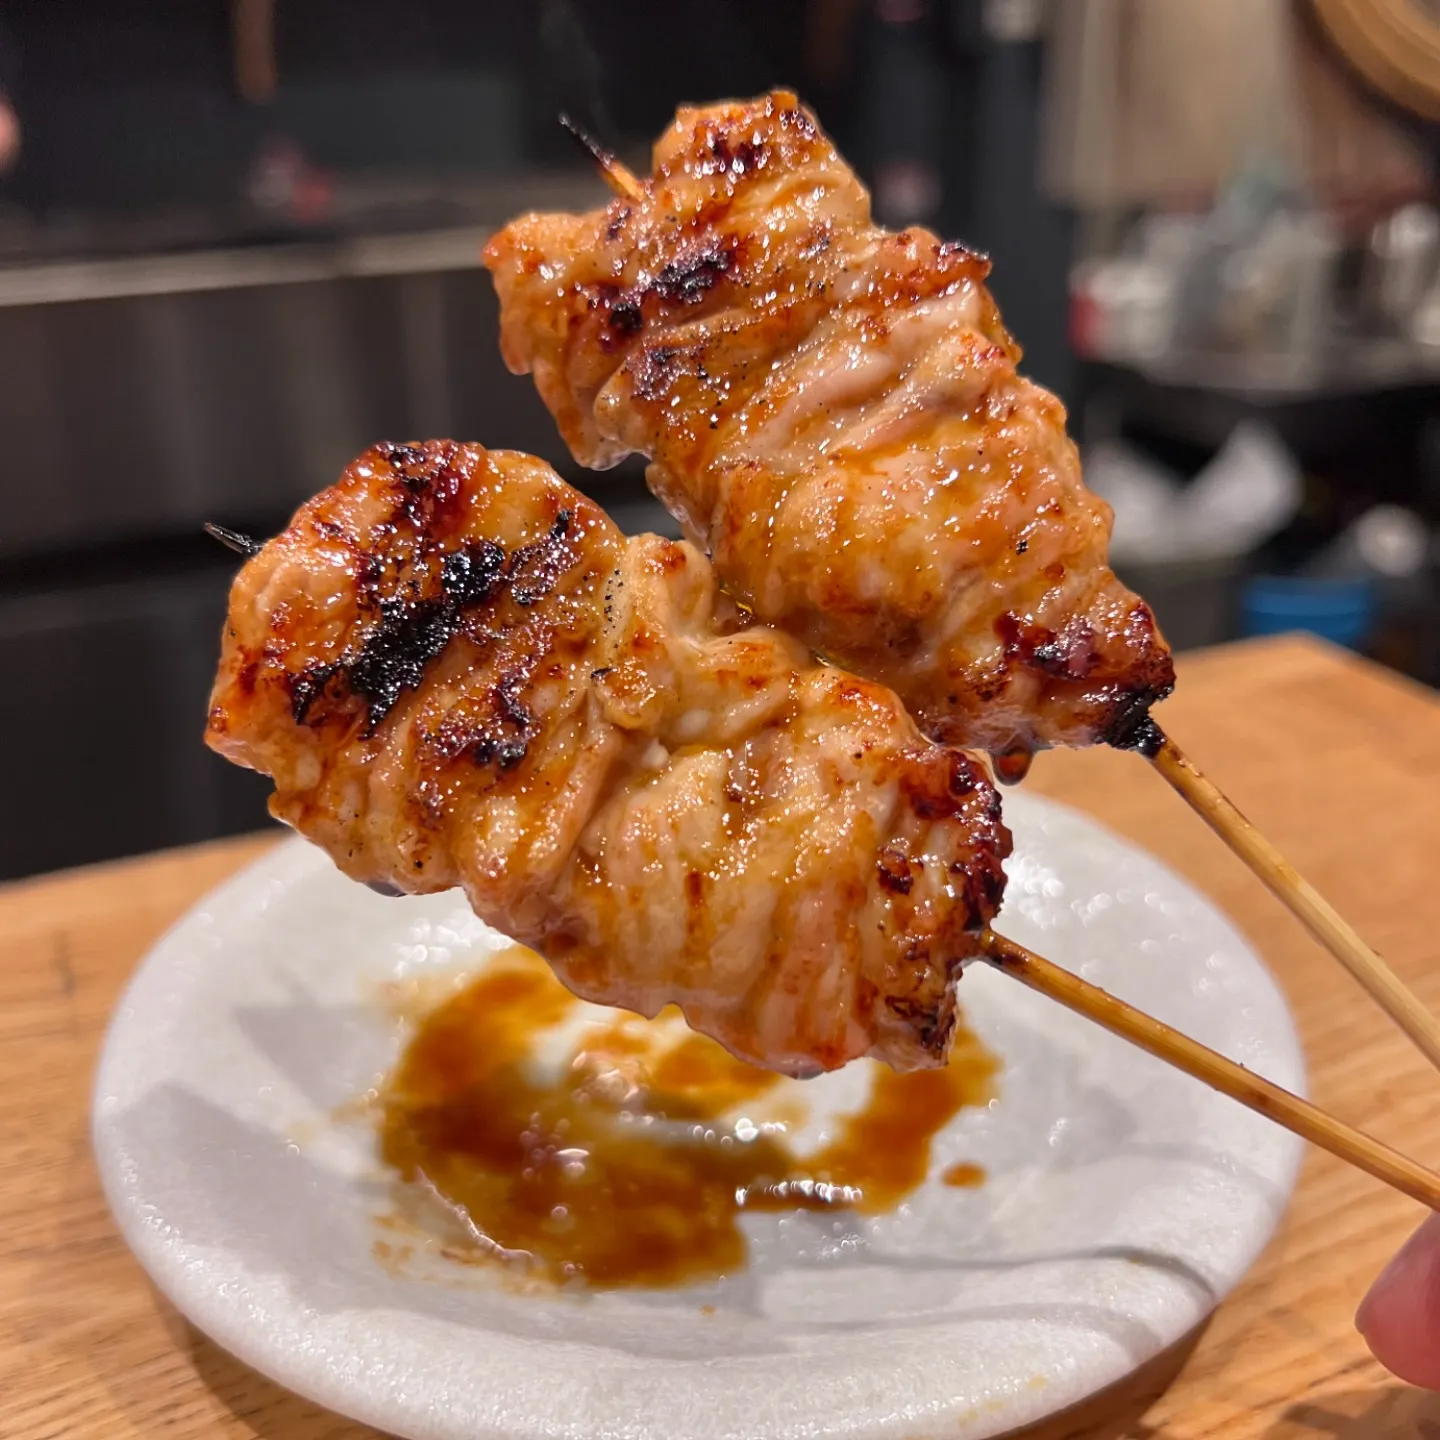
{"points": [[617, 176], [233, 539]]}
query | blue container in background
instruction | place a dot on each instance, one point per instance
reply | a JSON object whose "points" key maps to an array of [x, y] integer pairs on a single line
{"points": [[1341, 611]]}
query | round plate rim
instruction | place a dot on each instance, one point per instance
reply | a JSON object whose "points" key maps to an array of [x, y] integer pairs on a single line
{"points": [[339, 1392]]}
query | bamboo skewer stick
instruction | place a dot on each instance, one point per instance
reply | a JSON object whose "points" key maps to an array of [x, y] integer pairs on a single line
{"points": [[1298, 1116], [1303, 901], [619, 177], [1296, 893]]}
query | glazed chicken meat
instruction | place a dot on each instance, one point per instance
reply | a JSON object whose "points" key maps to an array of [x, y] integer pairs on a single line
{"points": [[833, 412], [458, 672]]}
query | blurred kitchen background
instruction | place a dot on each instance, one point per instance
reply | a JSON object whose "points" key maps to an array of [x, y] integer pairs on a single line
{"points": [[239, 242]]}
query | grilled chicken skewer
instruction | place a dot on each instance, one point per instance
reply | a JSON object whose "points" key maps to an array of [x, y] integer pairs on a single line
{"points": [[459, 672], [703, 816], [834, 413]]}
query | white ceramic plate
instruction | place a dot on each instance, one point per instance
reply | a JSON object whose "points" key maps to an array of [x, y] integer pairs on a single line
{"points": [[1123, 1199]]}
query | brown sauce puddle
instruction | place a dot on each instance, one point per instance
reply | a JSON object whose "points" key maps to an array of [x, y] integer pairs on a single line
{"points": [[626, 1169]]}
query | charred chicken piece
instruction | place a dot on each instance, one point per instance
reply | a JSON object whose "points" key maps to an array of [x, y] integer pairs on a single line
{"points": [[459, 672], [833, 412]]}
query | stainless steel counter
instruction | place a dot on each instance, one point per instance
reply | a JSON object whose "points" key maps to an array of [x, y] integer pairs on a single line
{"points": [[141, 396]]}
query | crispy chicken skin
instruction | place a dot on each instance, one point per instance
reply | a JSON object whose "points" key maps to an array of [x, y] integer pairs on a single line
{"points": [[459, 672], [833, 412]]}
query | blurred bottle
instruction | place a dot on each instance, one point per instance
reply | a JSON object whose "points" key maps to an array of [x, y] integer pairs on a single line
{"points": [[1388, 544], [1394, 545], [1427, 505], [282, 182], [1341, 611], [1369, 589], [1014, 22], [1398, 268], [9, 107], [902, 112]]}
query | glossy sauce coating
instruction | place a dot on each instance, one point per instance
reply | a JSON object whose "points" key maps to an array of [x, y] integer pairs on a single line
{"points": [[460, 673], [633, 1166], [833, 411]]}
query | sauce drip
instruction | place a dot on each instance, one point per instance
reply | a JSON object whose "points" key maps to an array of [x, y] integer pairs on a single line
{"points": [[626, 1169], [962, 1175], [1012, 766]]}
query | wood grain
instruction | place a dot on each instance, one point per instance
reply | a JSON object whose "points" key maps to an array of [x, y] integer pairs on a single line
{"points": [[1336, 761], [1394, 44]]}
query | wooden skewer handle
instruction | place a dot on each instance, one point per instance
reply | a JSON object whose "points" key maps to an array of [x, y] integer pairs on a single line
{"points": [[1303, 900], [1261, 1095]]}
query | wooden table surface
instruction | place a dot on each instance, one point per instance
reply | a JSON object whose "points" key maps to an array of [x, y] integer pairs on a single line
{"points": [[1338, 762]]}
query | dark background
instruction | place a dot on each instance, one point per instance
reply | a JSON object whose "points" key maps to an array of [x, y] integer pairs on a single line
{"points": [[129, 418], [174, 349]]}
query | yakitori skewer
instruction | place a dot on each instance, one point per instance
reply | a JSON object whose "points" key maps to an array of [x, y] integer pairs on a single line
{"points": [[1141, 666], [459, 672], [448, 639], [1251, 1090]]}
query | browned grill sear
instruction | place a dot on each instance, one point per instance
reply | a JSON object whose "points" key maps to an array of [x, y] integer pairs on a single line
{"points": [[459, 672], [833, 411]]}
